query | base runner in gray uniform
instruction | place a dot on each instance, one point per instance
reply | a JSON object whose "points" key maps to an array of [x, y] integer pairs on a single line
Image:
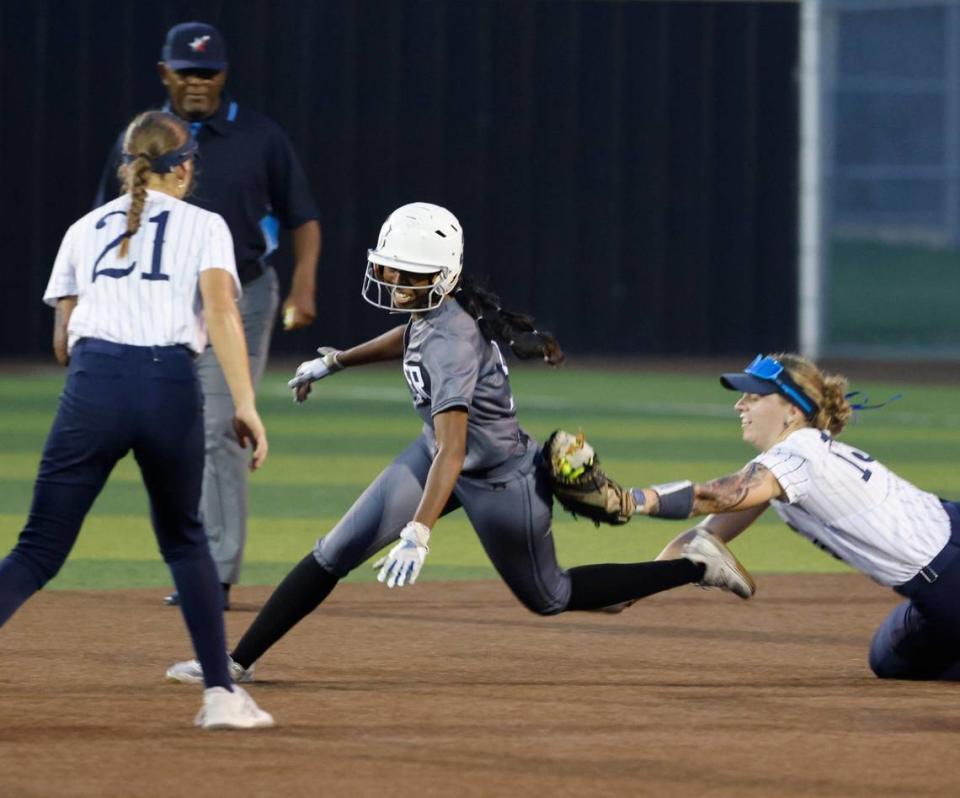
{"points": [[471, 454]]}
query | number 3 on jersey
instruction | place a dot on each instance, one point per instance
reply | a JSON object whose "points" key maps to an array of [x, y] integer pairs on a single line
{"points": [[160, 220]]}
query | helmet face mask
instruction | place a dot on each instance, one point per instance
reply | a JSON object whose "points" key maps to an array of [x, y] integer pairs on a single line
{"points": [[407, 292], [417, 239]]}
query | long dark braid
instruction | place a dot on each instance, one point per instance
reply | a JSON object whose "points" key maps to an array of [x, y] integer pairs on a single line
{"points": [[516, 330]]}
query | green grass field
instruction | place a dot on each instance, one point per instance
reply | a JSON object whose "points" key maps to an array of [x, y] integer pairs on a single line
{"points": [[647, 427], [886, 298]]}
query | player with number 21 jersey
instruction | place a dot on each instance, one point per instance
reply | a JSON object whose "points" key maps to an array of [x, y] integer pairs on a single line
{"points": [[157, 282]]}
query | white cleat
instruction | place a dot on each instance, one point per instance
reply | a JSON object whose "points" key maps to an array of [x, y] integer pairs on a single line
{"points": [[723, 570], [223, 709], [190, 672]]}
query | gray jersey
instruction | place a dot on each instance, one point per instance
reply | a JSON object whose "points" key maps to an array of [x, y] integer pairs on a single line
{"points": [[448, 363]]}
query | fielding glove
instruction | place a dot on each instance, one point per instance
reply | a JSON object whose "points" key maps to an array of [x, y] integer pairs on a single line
{"points": [[402, 565], [310, 371], [580, 485]]}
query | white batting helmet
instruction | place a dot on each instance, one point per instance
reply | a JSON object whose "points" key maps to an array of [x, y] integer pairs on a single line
{"points": [[419, 238]]}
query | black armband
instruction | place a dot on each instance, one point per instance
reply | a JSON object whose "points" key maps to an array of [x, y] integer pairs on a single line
{"points": [[676, 499]]}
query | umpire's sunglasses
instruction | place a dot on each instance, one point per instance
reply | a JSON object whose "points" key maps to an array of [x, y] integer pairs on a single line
{"points": [[766, 375]]}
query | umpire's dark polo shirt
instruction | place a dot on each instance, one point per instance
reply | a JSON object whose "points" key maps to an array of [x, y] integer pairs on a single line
{"points": [[247, 172]]}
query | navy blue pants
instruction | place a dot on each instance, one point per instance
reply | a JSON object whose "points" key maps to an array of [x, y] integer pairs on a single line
{"points": [[920, 638], [116, 399]]}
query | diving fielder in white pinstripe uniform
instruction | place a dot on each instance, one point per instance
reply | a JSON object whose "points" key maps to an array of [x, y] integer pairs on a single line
{"points": [[842, 500]]}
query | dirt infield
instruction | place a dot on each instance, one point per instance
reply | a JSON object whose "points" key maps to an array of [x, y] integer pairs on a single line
{"points": [[453, 689]]}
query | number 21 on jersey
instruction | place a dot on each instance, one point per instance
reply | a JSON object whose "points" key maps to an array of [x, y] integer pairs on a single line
{"points": [[160, 220]]}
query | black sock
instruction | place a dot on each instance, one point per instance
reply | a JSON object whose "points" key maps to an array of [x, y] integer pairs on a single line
{"points": [[299, 594], [596, 586]]}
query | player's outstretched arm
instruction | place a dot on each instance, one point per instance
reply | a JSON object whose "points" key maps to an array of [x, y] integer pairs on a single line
{"points": [[388, 346], [753, 486], [225, 328]]}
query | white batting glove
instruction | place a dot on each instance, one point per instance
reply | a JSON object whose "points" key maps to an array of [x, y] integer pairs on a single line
{"points": [[402, 565], [310, 371]]}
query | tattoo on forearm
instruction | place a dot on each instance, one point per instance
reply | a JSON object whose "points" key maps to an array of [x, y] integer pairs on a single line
{"points": [[727, 493]]}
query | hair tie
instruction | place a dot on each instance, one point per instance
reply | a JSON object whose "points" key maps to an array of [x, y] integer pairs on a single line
{"points": [[166, 162], [129, 158], [865, 405]]}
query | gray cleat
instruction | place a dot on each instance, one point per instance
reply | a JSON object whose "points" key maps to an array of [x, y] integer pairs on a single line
{"points": [[723, 570], [190, 672]]}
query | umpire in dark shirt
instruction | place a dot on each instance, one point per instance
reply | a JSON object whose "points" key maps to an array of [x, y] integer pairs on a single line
{"points": [[249, 174]]}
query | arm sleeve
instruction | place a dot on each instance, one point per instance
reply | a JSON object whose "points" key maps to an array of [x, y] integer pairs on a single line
{"points": [[790, 469], [216, 251], [63, 278], [290, 197], [453, 368], [109, 186]]}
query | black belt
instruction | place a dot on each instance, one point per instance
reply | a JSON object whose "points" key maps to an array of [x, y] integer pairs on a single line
{"points": [[932, 570], [251, 270]]}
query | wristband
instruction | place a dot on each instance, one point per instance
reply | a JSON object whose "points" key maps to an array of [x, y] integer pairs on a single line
{"points": [[331, 359], [676, 499], [417, 533]]}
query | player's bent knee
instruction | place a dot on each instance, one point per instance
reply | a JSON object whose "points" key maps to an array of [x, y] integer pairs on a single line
{"points": [[885, 664], [542, 605], [883, 658]]}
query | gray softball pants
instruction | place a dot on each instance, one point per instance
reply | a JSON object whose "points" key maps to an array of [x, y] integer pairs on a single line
{"points": [[223, 505], [509, 508]]}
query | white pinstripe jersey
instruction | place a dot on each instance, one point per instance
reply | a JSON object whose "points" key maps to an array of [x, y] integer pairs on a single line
{"points": [[857, 509], [151, 297]]}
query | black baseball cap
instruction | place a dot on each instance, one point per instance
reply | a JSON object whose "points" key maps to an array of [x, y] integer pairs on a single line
{"points": [[194, 45]]}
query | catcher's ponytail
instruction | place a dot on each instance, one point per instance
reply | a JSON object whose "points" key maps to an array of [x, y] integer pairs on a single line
{"points": [[516, 330]]}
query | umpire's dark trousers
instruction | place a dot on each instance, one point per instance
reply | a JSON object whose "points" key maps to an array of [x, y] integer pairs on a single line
{"points": [[119, 398]]}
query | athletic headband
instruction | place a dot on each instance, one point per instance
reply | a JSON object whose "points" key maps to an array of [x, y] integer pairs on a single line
{"points": [[164, 163]]}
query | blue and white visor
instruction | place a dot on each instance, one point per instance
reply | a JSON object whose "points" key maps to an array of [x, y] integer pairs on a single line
{"points": [[766, 375]]}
